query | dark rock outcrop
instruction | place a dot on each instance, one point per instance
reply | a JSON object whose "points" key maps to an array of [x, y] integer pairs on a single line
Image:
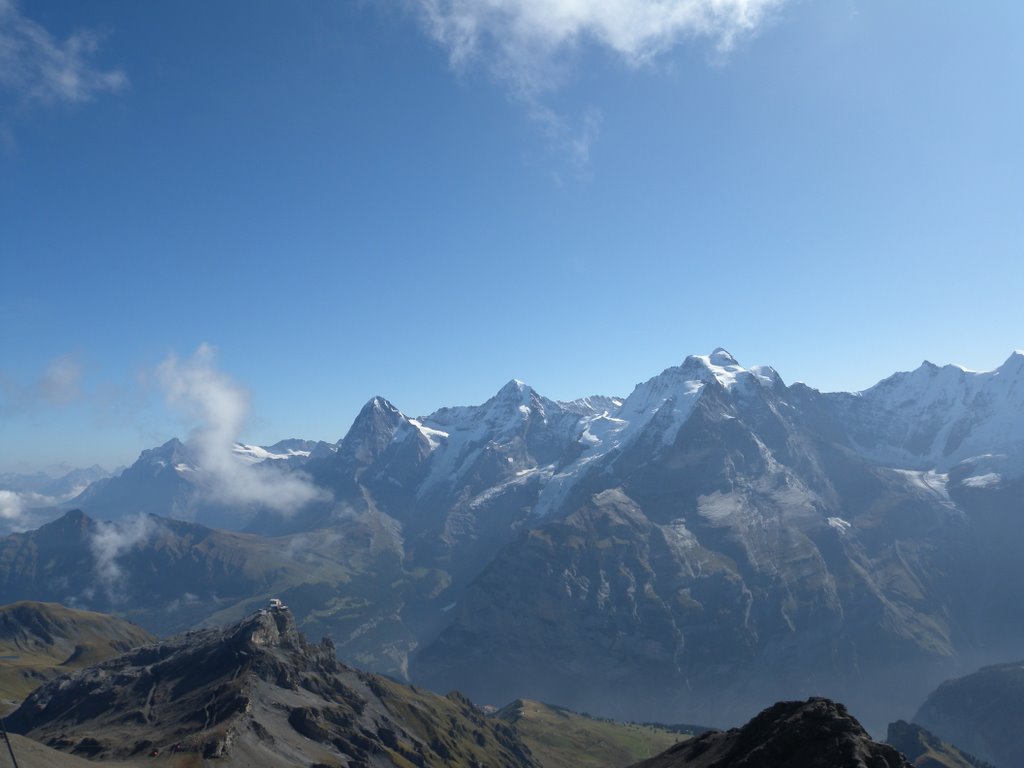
{"points": [[817, 733]]}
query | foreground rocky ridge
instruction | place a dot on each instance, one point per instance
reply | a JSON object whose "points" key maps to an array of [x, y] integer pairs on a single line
{"points": [[257, 692]]}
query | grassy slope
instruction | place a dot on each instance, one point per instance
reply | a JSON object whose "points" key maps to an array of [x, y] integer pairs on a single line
{"points": [[560, 738], [451, 724], [39, 641]]}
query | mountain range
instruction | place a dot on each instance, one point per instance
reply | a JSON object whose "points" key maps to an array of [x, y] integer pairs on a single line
{"points": [[713, 542]]}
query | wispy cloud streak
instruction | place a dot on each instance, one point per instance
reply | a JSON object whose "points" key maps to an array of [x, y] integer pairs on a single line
{"points": [[40, 68], [111, 541]]}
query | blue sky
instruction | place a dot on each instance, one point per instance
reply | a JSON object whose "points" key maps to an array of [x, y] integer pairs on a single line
{"points": [[424, 199]]}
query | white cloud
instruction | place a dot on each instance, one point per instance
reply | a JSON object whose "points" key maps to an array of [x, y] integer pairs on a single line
{"points": [[25, 500], [527, 45], [111, 541], [219, 406], [19, 510], [11, 505], [42, 69], [522, 40]]}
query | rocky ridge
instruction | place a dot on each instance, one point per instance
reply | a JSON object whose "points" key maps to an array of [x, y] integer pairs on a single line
{"points": [[258, 692]]}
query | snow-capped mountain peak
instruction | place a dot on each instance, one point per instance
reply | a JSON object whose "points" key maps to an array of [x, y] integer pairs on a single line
{"points": [[379, 406], [510, 406], [721, 366], [373, 429], [514, 388], [516, 398], [932, 418], [666, 400], [767, 376]]}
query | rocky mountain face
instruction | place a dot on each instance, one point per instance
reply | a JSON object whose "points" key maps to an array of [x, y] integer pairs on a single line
{"points": [[981, 712], [789, 734], [710, 543], [158, 483], [723, 542], [257, 693], [453, 488]]}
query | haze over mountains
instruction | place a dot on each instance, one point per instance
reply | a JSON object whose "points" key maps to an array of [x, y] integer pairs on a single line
{"points": [[713, 542]]}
